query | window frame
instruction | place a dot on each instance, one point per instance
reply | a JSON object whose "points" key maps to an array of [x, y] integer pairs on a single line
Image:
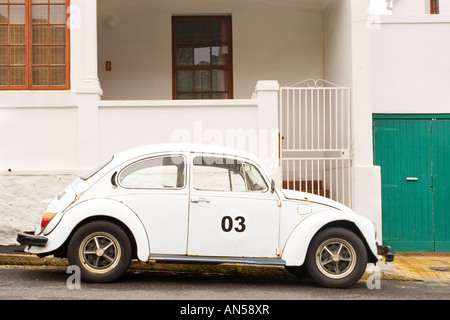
{"points": [[29, 49], [227, 67]]}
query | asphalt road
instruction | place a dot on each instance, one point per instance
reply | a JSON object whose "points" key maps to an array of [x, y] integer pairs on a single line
{"points": [[56, 284]]}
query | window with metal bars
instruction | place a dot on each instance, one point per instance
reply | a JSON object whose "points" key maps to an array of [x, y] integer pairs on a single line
{"points": [[34, 44], [201, 57]]}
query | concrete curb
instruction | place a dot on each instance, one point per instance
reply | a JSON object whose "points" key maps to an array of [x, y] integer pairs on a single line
{"points": [[31, 261]]}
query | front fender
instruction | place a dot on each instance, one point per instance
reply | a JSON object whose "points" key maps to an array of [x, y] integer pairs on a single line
{"points": [[92, 208], [296, 247]]}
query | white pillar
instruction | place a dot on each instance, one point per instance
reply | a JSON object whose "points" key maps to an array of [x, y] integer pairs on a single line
{"points": [[366, 176], [88, 88], [266, 92], [89, 82]]}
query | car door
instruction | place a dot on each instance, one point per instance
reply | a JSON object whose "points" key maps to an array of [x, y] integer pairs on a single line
{"points": [[155, 188], [232, 212]]}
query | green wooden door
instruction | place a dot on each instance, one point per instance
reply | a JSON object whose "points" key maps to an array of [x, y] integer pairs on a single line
{"points": [[441, 183], [414, 155]]}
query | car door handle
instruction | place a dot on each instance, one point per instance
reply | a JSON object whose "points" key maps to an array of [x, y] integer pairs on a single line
{"points": [[412, 179], [200, 200]]}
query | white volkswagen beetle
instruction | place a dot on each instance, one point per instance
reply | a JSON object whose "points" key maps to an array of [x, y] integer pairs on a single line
{"points": [[195, 203]]}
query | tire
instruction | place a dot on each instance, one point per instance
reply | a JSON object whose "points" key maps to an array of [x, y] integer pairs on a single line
{"points": [[336, 258], [101, 249]]}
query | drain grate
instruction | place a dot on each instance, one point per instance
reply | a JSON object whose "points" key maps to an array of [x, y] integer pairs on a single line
{"points": [[440, 268]]}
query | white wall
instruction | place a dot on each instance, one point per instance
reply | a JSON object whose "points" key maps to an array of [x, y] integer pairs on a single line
{"points": [[124, 125], [410, 65], [411, 6], [270, 41], [337, 43]]}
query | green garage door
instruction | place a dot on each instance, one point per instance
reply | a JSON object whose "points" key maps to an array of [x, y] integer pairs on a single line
{"points": [[414, 154]]}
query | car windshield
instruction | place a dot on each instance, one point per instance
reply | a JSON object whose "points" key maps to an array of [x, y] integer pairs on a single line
{"points": [[90, 173]]}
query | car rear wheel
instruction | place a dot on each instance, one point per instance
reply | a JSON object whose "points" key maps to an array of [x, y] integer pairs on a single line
{"points": [[101, 249], [336, 258]]}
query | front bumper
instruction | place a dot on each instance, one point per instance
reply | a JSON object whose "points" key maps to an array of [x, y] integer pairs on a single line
{"points": [[386, 252], [29, 239]]}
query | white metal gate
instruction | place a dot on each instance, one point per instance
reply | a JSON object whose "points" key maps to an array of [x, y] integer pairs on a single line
{"points": [[315, 128]]}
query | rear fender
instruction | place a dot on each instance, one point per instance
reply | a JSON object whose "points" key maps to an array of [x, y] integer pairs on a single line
{"points": [[90, 209]]}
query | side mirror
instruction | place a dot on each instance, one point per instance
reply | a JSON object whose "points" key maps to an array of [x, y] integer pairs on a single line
{"points": [[272, 186]]}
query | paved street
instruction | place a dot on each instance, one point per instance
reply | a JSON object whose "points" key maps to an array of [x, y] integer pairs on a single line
{"points": [[50, 283]]}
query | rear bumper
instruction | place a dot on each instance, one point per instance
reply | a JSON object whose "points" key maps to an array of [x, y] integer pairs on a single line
{"points": [[386, 252], [28, 239]]}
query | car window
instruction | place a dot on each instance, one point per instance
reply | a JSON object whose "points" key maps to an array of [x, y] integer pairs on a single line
{"points": [[254, 179], [167, 172], [218, 174]]}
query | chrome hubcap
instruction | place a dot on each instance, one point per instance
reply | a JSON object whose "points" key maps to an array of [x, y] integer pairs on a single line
{"points": [[100, 252], [336, 258]]}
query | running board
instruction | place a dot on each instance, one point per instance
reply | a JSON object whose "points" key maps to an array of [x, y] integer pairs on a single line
{"points": [[199, 259]]}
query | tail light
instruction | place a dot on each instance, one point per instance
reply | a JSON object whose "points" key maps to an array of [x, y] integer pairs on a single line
{"points": [[48, 216]]}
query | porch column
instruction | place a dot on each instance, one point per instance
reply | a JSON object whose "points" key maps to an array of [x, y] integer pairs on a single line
{"points": [[88, 89], [366, 176], [266, 92], [89, 82]]}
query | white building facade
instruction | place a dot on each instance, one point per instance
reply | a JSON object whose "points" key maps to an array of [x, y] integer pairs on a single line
{"points": [[84, 79]]}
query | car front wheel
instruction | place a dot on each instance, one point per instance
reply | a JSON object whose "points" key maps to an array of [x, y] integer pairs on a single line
{"points": [[336, 258], [101, 249]]}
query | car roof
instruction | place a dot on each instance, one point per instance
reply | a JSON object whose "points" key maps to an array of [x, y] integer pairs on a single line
{"points": [[181, 147]]}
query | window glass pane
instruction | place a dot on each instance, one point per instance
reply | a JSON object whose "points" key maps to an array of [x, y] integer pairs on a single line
{"points": [[185, 96], [40, 55], [3, 14], [58, 55], [203, 96], [219, 31], [17, 14], [217, 174], [16, 1], [3, 76], [185, 81], [57, 14], [201, 31], [3, 34], [17, 76], [57, 76], [39, 1], [202, 80], [57, 1], [202, 56], [255, 182], [183, 31], [221, 95], [17, 55], [39, 14], [57, 34], [17, 34], [185, 56], [219, 80], [3, 55], [40, 76], [161, 173], [219, 55], [40, 35]]}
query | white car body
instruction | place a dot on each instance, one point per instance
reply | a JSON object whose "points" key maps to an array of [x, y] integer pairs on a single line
{"points": [[190, 223]]}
